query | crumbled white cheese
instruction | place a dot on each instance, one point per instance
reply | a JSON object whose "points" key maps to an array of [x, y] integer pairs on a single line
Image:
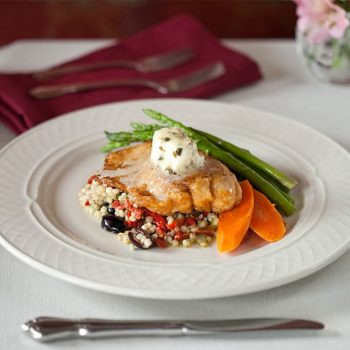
{"points": [[174, 152]]}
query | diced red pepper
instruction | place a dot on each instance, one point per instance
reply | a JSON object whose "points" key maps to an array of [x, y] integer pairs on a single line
{"points": [[159, 220], [87, 203], [172, 225], [180, 236], [160, 232], [116, 204], [160, 243], [131, 223], [156, 217], [138, 213], [190, 221], [91, 178], [129, 205]]}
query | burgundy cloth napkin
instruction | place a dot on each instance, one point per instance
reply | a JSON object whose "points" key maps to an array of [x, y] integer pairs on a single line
{"points": [[21, 112]]}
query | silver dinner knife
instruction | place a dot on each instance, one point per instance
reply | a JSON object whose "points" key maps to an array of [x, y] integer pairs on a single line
{"points": [[45, 329]]}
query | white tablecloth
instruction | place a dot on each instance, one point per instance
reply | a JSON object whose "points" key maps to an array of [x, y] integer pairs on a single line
{"points": [[288, 90]]}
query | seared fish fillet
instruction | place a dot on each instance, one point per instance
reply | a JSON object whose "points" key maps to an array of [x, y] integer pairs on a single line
{"points": [[212, 188]]}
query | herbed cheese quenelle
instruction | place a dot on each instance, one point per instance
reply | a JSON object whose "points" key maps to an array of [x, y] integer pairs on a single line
{"points": [[169, 175], [175, 153]]}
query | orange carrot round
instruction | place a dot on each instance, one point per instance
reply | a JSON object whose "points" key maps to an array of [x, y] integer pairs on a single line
{"points": [[234, 223], [266, 221]]}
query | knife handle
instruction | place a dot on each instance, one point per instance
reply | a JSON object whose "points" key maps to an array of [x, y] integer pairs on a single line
{"points": [[45, 329]]}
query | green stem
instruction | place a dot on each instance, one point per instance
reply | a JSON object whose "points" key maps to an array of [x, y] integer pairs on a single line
{"points": [[244, 155]]}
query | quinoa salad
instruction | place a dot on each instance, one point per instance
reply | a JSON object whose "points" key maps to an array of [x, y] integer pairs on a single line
{"points": [[141, 228]]}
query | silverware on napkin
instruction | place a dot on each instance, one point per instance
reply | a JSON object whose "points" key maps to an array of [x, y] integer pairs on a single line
{"points": [[45, 329], [174, 85], [148, 64]]}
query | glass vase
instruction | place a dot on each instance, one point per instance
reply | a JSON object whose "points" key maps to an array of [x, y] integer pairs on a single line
{"points": [[328, 61]]}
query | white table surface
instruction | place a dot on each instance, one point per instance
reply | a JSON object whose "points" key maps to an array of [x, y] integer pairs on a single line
{"points": [[287, 89]]}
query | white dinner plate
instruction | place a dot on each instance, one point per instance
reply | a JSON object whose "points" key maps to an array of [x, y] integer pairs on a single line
{"points": [[42, 223]]}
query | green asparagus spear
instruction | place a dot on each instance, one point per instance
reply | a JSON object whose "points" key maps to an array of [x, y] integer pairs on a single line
{"points": [[205, 145], [141, 132], [253, 161]]}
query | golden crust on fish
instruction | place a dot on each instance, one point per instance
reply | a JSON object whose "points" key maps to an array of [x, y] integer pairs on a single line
{"points": [[212, 188]]}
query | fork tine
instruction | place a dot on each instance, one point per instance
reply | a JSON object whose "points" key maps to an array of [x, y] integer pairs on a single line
{"points": [[167, 60], [196, 78]]}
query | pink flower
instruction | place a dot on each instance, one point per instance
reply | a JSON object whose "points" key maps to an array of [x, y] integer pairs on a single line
{"points": [[321, 20]]}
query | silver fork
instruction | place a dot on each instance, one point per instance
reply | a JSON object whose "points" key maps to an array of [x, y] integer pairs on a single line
{"points": [[146, 64], [175, 85]]}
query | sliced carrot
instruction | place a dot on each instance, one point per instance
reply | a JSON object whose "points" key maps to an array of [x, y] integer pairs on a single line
{"points": [[234, 223], [266, 221]]}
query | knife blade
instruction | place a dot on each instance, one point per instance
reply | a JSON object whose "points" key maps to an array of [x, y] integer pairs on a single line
{"points": [[46, 329]]}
